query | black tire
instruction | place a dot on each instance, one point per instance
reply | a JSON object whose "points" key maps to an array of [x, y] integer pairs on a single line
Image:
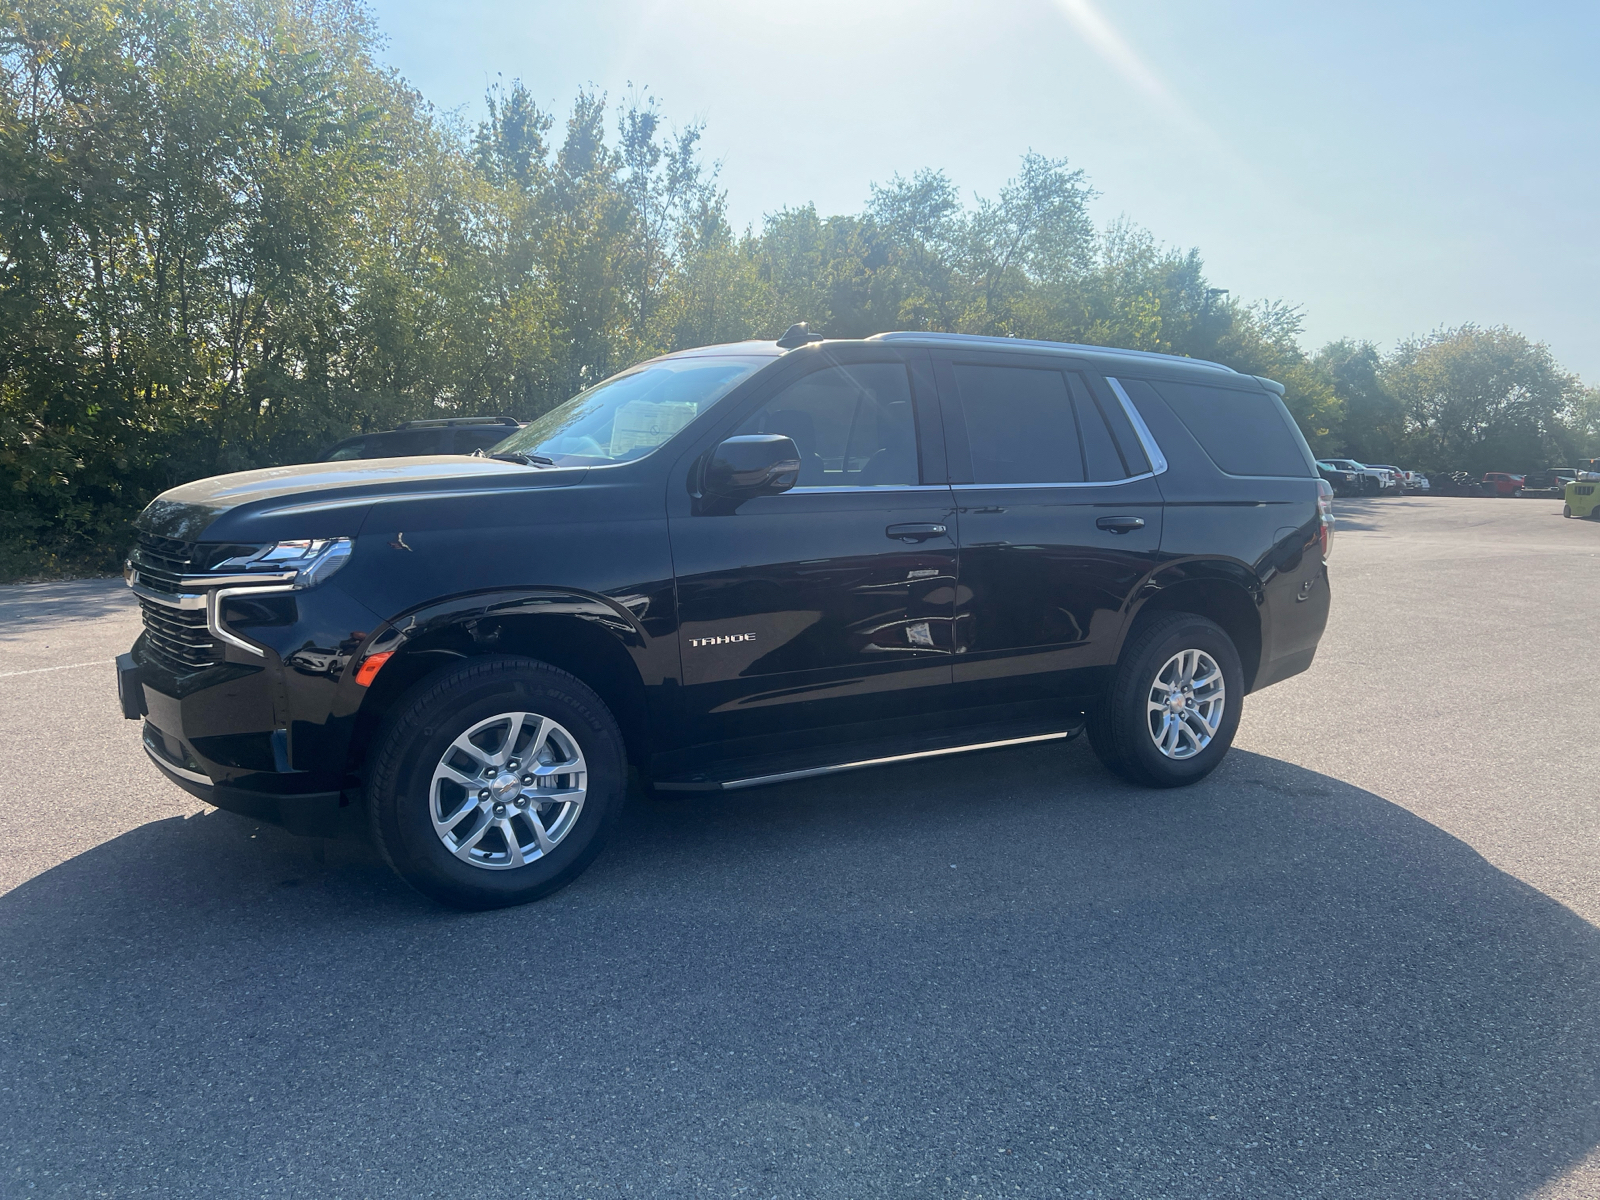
{"points": [[1566, 510], [418, 732], [1118, 728]]}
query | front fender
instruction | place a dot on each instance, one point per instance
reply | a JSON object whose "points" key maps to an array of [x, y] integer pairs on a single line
{"points": [[475, 612], [605, 641]]}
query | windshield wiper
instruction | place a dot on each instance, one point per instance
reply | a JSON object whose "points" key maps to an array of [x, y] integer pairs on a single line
{"points": [[527, 460]]}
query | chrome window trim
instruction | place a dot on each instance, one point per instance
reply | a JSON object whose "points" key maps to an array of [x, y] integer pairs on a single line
{"points": [[1158, 460], [1093, 483]]}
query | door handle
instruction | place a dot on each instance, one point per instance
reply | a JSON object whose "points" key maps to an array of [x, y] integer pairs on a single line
{"points": [[1120, 524], [915, 532]]}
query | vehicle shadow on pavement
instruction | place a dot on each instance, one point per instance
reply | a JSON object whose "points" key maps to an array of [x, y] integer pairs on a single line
{"points": [[1001, 974], [1363, 513]]}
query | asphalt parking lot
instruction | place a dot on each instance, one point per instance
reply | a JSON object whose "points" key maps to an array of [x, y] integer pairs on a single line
{"points": [[1362, 959]]}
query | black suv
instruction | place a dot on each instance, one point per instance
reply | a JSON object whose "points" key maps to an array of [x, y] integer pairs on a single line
{"points": [[725, 567], [448, 435]]}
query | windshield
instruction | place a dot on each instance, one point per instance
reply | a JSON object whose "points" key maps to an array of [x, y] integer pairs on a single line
{"points": [[630, 414]]}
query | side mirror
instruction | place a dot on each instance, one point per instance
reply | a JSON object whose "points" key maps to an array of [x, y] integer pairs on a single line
{"points": [[756, 464]]}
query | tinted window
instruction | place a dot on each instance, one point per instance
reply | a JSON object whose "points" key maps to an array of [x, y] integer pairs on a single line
{"points": [[406, 443], [1020, 425], [356, 449], [1133, 455], [1245, 433], [474, 437], [1101, 458], [853, 425]]}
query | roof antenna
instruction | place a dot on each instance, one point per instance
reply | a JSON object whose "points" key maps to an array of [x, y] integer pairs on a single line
{"points": [[797, 334]]}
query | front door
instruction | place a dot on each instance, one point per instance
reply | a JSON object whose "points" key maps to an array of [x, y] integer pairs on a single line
{"points": [[832, 603], [1060, 520]]}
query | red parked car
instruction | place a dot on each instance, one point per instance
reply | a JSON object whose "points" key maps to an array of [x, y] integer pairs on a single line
{"points": [[1498, 483]]}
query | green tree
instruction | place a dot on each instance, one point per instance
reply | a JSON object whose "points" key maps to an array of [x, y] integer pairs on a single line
{"points": [[228, 237], [1372, 422], [1481, 399]]}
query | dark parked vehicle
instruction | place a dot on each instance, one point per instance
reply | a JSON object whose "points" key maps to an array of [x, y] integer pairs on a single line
{"points": [[1343, 483], [1455, 483], [726, 567], [451, 435], [1552, 481]]}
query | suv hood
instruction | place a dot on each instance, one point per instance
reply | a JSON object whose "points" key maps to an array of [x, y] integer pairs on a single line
{"points": [[326, 499]]}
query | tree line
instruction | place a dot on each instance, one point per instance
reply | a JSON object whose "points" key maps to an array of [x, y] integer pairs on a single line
{"points": [[228, 237]]}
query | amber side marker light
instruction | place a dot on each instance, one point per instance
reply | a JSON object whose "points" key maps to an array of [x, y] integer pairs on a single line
{"points": [[370, 666]]}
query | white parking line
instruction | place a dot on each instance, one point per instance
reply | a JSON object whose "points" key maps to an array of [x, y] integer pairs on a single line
{"points": [[68, 667]]}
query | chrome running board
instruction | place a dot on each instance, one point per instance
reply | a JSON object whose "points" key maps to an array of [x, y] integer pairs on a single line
{"points": [[729, 785]]}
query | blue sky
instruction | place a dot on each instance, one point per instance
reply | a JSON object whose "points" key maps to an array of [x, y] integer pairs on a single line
{"points": [[1392, 167]]}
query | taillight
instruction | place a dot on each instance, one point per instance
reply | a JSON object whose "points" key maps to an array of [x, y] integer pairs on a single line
{"points": [[1325, 514]]}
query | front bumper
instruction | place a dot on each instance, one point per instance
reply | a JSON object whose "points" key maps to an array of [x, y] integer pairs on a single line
{"points": [[313, 814], [223, 735]]}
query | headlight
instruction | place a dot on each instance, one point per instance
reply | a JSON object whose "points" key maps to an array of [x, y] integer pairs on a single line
{"points": [[312, 559]]}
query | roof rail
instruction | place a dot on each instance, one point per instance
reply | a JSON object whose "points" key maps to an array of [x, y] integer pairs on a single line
{"points": [[977, 339], [443, 422]]}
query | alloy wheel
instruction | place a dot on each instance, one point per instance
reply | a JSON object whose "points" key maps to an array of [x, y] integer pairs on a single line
{"points": [[508, 790], [1185, 704]]}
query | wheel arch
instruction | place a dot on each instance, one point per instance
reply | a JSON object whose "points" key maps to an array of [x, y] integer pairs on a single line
{"points": [[596, 640], [1226, 592]]}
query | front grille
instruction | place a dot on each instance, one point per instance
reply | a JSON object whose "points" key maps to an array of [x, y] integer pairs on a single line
{"points": [[161, 561], [178, 636]]}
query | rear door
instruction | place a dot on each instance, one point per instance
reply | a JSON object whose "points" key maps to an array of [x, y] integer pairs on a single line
{"points": [[832, 603], [1059, 521]]}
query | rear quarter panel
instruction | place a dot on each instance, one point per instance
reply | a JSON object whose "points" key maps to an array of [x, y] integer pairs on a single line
{"points": [[1260, 530]]}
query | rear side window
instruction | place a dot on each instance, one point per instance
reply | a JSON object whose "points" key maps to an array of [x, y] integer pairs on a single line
{"points": [[356, 449], [406, 443], [481, 437], [1245, 433], [1020, 425], [1133, 456], [1102, 460]]}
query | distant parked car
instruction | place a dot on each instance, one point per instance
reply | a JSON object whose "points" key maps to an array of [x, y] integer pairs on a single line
{"points": [[1402, 479], [1552, 479], [1343, 483], [451, 435], [1500, 483], [1406, 481], [1376, 479]]}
